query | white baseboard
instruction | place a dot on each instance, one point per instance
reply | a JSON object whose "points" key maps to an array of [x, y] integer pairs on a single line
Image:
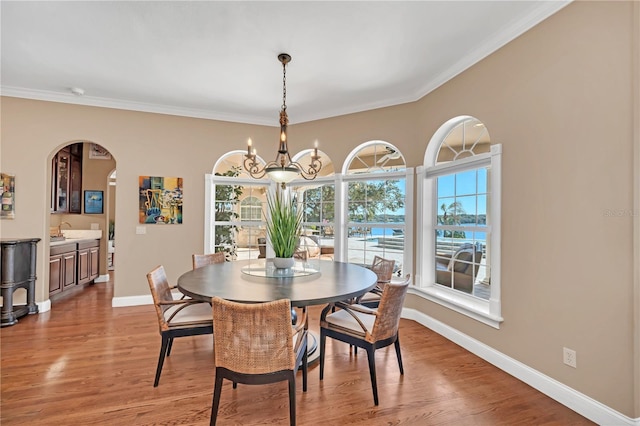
{"points": [[102, 279], [44, 306], [119, 302], [578, 402]]}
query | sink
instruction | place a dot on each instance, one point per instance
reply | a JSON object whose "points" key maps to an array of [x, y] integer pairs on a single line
{"points": [[53, 238], [81, 234]]}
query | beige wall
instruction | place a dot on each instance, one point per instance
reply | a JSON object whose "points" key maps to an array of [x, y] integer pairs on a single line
{"points": [[559, 99]]}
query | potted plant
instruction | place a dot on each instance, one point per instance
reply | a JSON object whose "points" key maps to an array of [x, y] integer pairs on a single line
{"points": [[284, 222]]}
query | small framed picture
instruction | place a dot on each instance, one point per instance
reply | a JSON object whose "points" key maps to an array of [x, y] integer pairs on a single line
{"points": [[8, 196], [93, 202], [96, 152]]}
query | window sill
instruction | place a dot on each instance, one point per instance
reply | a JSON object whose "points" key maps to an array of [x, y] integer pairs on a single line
{"points": [[472, 307]]}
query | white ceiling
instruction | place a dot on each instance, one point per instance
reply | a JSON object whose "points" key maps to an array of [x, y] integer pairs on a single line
{"points": [[219, 59]]}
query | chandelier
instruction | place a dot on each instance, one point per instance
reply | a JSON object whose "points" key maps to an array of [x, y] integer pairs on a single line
{"points": [[282, 169]]}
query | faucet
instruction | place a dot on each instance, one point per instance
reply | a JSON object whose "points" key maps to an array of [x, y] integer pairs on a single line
{"points": [[60, 226]]}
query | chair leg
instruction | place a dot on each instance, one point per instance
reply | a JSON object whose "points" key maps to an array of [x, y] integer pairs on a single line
{"points": [[163, 351], [217, 389], [371, 355], [292, 399], [305, 364], [397, 345], [170, 346], [235, 385], [322, 344]]}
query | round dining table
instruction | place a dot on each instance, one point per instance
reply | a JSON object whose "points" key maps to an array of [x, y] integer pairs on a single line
{"points": [[313, 282]]}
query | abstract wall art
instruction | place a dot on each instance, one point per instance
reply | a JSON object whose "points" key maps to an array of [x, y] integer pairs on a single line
{"points": [[160, 200]]}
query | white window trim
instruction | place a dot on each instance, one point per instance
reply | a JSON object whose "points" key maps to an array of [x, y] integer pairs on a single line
{"points": [[323, 180], [408, 175], [485, 311], [210, 181]]}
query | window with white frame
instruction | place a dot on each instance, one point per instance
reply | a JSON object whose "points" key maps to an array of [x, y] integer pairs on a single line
{"points": [[234, 222], [376, 193], [250, 209], [317, 199], [461, 223]]}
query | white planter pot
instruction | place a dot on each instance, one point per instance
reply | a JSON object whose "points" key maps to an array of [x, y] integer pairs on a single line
{"points": [[283, 262]]}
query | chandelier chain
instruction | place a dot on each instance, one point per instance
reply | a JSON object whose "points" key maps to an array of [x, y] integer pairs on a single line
{"points": [[284, 86]]}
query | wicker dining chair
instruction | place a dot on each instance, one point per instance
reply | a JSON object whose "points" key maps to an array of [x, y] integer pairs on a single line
{"points": [[367, 328], [176, 318], [200, 260], [384, 270], [254, 344]]}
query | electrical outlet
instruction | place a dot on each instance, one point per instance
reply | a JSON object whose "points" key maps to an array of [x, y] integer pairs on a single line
{"points": [[95, 226], [569, 357], [141, 230]]}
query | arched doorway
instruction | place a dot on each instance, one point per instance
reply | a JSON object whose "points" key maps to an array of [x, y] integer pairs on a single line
{"points": [[81, 217]]}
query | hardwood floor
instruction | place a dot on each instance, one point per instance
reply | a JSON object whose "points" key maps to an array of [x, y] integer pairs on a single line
{"points": [[84, 363]]}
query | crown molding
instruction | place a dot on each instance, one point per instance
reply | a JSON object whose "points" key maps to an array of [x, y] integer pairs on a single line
{"points": [[50, 96]]}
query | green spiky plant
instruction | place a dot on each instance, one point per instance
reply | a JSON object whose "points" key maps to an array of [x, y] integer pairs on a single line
{"points": [[283, 224]]}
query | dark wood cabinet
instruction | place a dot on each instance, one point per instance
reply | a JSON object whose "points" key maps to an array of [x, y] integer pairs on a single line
{"points": [[55, 272], [94, 255], [88, 261], [83, 266], [66, 180], [72, 265], [75, 185], [62, 268]]}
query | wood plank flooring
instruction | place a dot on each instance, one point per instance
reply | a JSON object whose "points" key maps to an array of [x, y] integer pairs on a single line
{"points": [[86, 363]]}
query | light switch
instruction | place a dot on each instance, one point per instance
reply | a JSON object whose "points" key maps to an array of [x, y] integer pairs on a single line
{"points": [[141, 230]]}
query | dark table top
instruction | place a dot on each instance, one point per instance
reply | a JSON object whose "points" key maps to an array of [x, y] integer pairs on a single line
{"points": [[335, 281]]}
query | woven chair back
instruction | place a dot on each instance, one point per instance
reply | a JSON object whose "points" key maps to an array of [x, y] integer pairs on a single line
{"points": [[160, 291], [200, 260], [389, 311], [383, 268], [253, 338]]}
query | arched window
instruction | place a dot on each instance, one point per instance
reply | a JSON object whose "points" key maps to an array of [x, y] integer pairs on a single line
{"points": [[376, 206], [233, 209], [250, 209], [461, 206]]}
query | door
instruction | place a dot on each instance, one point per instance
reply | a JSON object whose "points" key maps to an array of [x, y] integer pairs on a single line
{"points": [[62, 163], [55, 274], [69, 269], [84, 264]]}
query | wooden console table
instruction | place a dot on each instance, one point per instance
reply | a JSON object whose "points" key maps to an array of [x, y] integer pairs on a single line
{"points": [[17, 270]]}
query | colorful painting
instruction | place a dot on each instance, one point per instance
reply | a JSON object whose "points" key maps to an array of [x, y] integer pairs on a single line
{"points": [[93, 202], [8, 196], [160, 200]]}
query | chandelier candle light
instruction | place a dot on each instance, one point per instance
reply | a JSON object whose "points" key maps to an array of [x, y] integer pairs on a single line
{"points": [[282, 169]]}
